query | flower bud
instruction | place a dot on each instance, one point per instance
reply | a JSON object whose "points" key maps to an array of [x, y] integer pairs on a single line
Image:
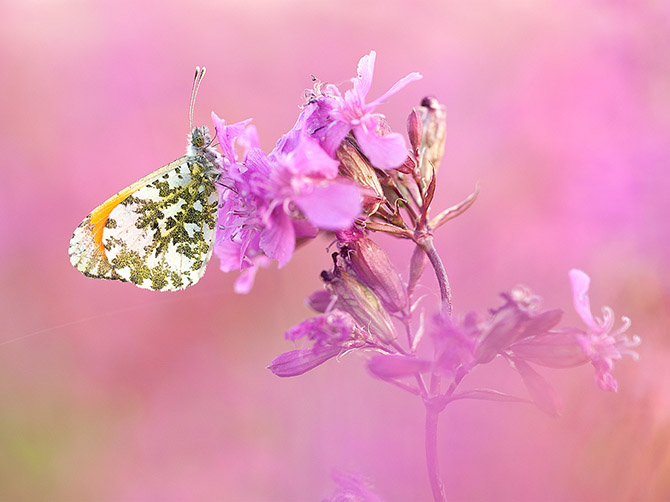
{"points": [[361, 303], [355, 166], [414, 130], [406, 167], [417, 265], [371, 265], [434, 121], [321, 301]]}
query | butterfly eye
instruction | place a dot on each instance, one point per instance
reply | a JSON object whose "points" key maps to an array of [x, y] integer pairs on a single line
{"points": [[197, 138]]}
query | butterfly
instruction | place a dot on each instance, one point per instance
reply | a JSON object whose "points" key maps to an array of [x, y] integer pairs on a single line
{"points": [[158, 233]]}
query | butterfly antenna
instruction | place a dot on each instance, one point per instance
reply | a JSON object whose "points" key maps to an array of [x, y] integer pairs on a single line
{"points": [[197, 79]]}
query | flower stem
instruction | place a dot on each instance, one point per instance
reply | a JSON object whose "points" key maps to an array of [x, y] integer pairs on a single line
{"points": [[426, 243], [436, 485]]}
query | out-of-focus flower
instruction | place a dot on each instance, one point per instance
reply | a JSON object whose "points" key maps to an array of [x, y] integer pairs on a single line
{"points": [[600, 344], [394, 366], [331, 334], [460, 345], [519, 318], [454, 344], [352, 488], [522, 333]]}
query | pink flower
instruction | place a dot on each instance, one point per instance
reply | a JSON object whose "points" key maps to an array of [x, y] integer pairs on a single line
{"points": [[599, 343], [331, 116], [519, 319], [228, 134], [271, 200], [330, 334], [300, 183], [248, 259], [237, 240]]}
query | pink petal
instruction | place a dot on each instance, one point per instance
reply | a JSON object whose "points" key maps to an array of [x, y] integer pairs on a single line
{"points": [[320, 300], [229, 254], [396, 87], [555, 349], [288, 142], [297, 362], [542, 323], [542, 393], [502, 329], [332, 136], [227, 134], [604, 378], [397, 366], [580, 297], [245, 281], [278, 239], [326, 329], [487, 395], [305, 229], [365, 70], [257, 163], [309, 158], [248, 139], [384, 152], [331, 206]]}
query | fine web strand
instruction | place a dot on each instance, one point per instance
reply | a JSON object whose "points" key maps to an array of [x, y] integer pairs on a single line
{"points": [[83, 320]]}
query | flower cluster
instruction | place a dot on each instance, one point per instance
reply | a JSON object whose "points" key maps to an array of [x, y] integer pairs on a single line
{"points": [[519, 331], [342, 170], [272, 201]]}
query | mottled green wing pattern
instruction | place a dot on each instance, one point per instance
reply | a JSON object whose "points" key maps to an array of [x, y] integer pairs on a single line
{"points": [[158, 233], [161, 236]]}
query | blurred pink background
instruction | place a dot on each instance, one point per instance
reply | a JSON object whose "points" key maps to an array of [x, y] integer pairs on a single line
{"points": [[560, 109]]}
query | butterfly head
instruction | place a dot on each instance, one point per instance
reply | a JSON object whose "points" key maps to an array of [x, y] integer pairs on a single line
{"points": [[199, 146], [198, 140]]}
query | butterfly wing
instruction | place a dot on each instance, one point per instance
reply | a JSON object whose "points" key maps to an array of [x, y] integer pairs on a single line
{"points": [[157, 233]]}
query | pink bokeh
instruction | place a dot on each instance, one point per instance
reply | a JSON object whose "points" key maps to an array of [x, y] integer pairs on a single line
{"points": [[561, 110]]}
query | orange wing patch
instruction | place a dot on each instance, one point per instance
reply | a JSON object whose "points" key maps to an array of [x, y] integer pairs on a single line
{"points": [[87, 251], [98, 217], [158, 233]]}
